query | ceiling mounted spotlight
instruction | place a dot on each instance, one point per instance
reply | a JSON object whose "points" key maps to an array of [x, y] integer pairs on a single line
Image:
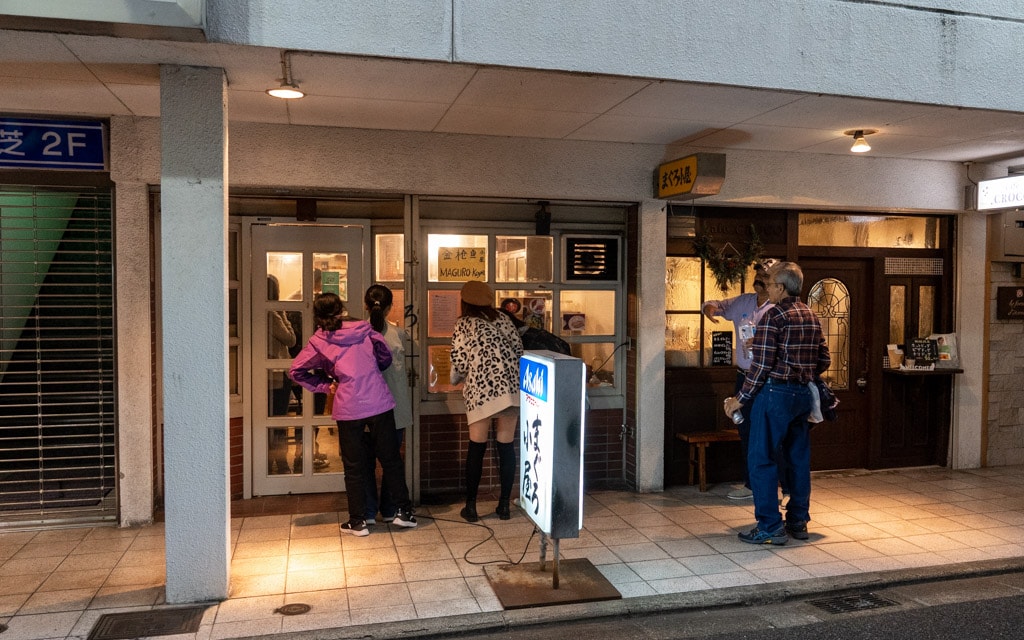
{"points": [[288, 90], [860, 145]]}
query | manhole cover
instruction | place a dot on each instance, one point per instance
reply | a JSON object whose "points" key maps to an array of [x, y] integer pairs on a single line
{"points": [[846, 604], [138, 624], [295, 609]]}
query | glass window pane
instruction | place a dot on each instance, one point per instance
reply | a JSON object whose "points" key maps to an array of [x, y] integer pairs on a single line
{"points": [[397, 314], [233, 370], [682, 284], [390, 254], [532, 307], [925, 311], [440, 369], [829, 299], [284, 275], [524, 258], [897, 314], [456, 258], [330, 275], [281, 336], [599, 360], [284, 451], [682, 340], [887, 231], [587, 313], [326, 454], [279, 391]]}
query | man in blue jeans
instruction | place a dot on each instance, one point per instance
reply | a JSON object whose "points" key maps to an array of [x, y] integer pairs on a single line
{"points": [[789, 351]]}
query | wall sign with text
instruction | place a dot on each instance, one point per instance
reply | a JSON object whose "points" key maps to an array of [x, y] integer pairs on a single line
{"points": [[1010, 303], [26, 143]]}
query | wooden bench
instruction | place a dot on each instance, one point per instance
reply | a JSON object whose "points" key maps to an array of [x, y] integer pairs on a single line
{"points": [[699, 443]]}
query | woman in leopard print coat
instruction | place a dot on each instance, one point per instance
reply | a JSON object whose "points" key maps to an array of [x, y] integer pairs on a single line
{"points": [[485, 352]]}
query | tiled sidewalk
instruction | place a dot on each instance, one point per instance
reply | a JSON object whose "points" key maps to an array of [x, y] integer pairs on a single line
{"points": [[56, 584]]}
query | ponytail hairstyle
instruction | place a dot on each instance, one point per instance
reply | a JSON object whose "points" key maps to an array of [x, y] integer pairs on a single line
{"points": [[327, 311], [378, 300]]}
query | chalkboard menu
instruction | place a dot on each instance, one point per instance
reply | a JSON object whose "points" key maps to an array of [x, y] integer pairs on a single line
{"points": [[923, 350], [721, 347]]}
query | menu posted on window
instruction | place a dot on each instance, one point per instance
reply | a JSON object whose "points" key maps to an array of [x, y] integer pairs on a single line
{"points": [[721, 348]]}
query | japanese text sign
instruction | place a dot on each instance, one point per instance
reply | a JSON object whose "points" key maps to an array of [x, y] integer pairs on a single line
{"points": [[458, 264], [26, 143], [701, 174], [551, 415]]}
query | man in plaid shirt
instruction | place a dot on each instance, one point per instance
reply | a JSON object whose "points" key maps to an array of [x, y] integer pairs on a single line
{"points": [[789, 352]]}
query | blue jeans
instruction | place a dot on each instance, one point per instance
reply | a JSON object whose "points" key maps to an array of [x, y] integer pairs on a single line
{"points": [[388, 507], [779, 439]]}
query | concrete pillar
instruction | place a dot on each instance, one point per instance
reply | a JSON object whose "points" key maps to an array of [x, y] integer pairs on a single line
{"points": [[969, 386], [650, 365], [134, 362], [193, 236]]}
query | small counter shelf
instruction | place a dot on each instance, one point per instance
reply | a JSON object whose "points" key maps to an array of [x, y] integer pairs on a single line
{"points": [[922, 372]]}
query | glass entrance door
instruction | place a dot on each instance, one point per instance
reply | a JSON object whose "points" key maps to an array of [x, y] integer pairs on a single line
{"points": [[294, 440]]}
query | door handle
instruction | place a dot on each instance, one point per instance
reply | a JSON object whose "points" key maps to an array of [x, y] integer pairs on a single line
{"points": [[862, 384]]}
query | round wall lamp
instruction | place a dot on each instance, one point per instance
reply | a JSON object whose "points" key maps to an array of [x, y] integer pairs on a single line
{"points": [[860, 145]]}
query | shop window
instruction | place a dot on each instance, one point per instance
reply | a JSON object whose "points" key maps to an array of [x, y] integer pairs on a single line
{"points": [[886, 231], [523, 258], [456, 258], [688, 334], [389, 270], [583, 307]]}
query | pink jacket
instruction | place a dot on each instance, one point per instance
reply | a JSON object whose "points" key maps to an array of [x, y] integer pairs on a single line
{"points": [[354, 355]]}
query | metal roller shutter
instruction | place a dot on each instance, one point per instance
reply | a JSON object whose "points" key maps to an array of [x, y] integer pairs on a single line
{"points": [[57, 396]]}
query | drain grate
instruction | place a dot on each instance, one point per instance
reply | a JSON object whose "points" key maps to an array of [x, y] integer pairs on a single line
{"points": [[846, 604], [138, 624]]}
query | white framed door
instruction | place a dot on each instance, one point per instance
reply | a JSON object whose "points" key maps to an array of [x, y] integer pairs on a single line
{"points": [[294, 440]]}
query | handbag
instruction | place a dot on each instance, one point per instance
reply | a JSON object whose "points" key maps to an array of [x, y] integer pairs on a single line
{"points": [[829, 401]]}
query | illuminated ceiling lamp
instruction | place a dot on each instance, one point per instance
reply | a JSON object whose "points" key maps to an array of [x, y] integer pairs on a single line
{"points": [[288, 90], [860, 145]]}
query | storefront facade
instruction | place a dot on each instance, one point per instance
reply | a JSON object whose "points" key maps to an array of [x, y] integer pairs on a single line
{"points": [[203, 201]]}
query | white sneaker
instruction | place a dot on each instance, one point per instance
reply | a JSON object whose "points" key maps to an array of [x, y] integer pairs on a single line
{"points": [[355, 528], [404, 519], [742, 493]]}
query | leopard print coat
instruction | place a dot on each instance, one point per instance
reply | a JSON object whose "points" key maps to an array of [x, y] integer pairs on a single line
{"points": [[487, 354]]}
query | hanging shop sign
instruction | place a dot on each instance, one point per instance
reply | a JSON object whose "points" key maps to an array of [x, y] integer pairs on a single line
{"points": [[26, 143], [696, 176], [1001, 193]]}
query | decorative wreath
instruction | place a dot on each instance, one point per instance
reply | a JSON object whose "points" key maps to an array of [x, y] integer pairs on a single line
{"points": [[728, 265]]}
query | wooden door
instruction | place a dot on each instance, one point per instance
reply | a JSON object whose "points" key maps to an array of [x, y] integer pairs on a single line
{"points": [[839, 292]]}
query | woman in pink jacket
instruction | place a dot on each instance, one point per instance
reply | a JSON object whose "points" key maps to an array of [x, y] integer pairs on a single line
{"points": [[349, 357]]}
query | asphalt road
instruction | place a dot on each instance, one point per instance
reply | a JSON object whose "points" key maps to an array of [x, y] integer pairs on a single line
{"points": [[970, 609]]}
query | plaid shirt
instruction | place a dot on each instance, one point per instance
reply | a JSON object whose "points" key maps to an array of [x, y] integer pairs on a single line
{"points": [[788, 347]]}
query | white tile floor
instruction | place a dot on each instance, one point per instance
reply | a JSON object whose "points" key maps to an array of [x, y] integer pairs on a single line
{"points": [[56, 584]]}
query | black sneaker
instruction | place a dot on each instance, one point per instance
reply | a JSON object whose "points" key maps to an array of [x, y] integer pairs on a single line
{"points": [[756, 536], [797, 529], [404, 518], [355, 528]]}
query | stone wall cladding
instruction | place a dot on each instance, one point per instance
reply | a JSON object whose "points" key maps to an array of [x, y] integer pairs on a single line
{"points": [[1005, 424]]}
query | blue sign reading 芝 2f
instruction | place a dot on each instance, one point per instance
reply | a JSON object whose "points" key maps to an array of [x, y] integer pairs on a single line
{"points": [[26, 143], [533, 379]]}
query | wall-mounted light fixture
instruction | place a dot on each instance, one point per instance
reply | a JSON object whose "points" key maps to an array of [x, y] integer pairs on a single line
{"points": [[288, 90], [860, 145]]}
